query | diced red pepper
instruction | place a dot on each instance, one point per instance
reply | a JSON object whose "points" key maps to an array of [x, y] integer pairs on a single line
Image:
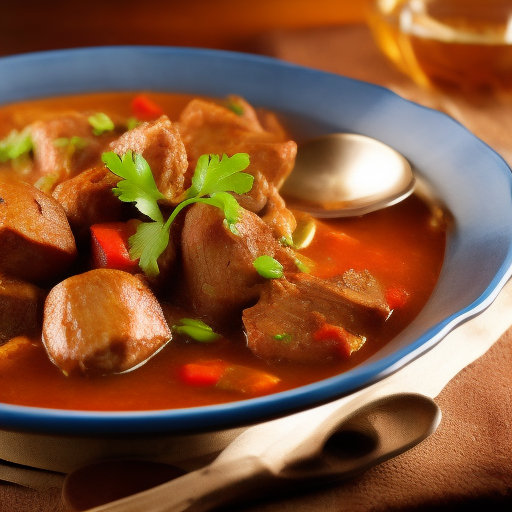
{"points": [[396, 297], [205, 373], [145, 109], [220, 374], [110, 246], [344, 341]]}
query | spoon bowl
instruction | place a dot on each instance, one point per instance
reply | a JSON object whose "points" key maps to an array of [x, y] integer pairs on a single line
{"points": [[347, 174]]}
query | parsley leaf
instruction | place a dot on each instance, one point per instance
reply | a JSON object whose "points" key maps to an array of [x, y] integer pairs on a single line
{"points": [[15, 145], [101, 123], [213, 174], [147, 244], [197, 330], [213, 177], [138, 186]]}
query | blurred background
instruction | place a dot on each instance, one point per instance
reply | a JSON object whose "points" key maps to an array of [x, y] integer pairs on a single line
{"points": [[221, 24]]}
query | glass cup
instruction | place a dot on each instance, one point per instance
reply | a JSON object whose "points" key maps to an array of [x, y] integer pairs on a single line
{"points": [[449, 44]]}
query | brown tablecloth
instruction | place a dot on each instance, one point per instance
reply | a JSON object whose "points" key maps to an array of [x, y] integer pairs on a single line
{"points": [[468, 460]]}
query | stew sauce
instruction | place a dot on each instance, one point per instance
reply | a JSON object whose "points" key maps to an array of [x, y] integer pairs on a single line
{"points": [[401, 246]]}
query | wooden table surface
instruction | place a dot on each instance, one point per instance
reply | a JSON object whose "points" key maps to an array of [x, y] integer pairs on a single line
{"points": [[468, 460]]}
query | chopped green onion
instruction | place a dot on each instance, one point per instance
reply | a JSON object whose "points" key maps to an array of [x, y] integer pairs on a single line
{"points": [[303, 264], [101, 123], [197, 330], [15, 145], [235, 107], [74, 142], [285, 337], [268, 267], [132, 123]]}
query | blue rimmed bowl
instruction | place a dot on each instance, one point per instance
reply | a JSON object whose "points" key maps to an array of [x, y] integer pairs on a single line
{"points": [[468, 177]]}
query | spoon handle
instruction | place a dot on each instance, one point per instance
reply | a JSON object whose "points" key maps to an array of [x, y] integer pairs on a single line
{"points": [[200, 490], [379, 428]]}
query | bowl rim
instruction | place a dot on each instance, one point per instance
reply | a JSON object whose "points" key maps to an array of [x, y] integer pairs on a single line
{"points": [[255, 409]]}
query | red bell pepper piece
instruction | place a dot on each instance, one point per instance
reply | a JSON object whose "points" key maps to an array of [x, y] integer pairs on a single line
{"points": [[110, 246], [396, 297], [205, 373], [145, 109]]}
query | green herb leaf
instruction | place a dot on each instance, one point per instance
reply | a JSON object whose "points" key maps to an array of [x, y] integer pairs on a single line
{"points": [[268, 267], [138, 186], [74, 142], [285, 337], [235, 107], [101, 123], [213, 174], [229, 205], [15, 145], [132, 123], [197, 330], [147, 244]]}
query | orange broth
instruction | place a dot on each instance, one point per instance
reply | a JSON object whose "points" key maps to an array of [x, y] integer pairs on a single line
{"points": [[402, 246]]}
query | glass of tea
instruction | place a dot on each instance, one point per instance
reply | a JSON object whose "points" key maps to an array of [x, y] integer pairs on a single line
{"points": [[455, 44]]}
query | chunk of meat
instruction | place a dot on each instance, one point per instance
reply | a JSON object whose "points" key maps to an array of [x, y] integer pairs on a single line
{"points": [[88, 199], [218, 265], [20, 308], [306, 319], [65, 145], [207, 127], [159, 142], [36, 239], [102, 322]]}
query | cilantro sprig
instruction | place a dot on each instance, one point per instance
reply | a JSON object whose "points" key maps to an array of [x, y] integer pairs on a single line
{"points": [[213, 179]]}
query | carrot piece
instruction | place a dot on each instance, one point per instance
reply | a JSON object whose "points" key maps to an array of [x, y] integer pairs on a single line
{"points": [[247, 380], [145, 109], [225, 376], [396, 297], [110, 246], [206, 373], [344, 341]]}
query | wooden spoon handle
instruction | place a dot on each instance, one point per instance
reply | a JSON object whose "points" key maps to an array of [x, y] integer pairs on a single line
{"points": [[198, 491]]}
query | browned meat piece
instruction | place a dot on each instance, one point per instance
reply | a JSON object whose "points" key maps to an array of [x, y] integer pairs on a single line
{"points": [[88, 199], [159, 142], [218, 265], [63, 159], [36, 240], [20, 308], [280, 219], [102, 322], [306, 319], [207, 127]]}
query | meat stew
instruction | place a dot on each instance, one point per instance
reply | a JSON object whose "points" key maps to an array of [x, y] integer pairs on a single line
{"points": [[233, 306]]}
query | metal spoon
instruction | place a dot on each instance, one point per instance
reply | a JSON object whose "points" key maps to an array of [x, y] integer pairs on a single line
{"points": [[346, 174]]}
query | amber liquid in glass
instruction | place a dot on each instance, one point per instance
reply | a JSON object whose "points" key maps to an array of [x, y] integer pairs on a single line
{"points": [[464, 44]]}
